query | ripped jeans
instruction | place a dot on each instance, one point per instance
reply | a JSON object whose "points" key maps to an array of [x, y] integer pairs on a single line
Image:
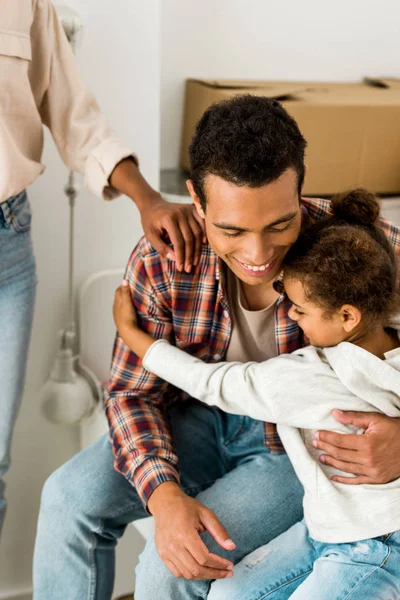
{"points": [[295, 566]]}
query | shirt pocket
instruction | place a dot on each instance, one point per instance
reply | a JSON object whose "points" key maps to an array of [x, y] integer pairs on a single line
{"points": [[15, 58]]}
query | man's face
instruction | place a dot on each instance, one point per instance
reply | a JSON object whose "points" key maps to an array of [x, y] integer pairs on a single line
{"points": [[251, 229]]}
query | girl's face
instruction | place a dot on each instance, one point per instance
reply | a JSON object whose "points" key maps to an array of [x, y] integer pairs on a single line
{"points": [[321, 331]]}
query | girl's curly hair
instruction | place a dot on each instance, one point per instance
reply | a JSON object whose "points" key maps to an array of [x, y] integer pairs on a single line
{"points": [[347, 259]]}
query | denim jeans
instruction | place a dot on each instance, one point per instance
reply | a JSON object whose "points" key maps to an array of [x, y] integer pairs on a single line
{"points": [[17, 296], [86, 506], [295, 566]]}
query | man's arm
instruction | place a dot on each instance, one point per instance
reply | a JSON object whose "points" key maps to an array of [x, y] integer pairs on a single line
{"points": [[134, 405], [142, 442]]}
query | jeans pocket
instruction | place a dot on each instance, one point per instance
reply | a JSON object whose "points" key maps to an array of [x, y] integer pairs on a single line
{"points": [[242, 431], [20, 215]]}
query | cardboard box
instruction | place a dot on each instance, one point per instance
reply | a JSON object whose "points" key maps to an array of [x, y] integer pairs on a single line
{"points": [[352, 129]]}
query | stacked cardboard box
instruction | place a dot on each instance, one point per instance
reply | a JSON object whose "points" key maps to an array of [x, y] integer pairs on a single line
{"points": [[352, 129]]}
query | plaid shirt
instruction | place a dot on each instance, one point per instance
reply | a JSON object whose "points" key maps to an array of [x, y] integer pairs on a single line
{"points": [[191, 311]]}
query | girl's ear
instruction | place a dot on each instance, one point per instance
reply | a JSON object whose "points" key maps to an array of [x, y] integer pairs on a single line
{"points": [[351, 317]]}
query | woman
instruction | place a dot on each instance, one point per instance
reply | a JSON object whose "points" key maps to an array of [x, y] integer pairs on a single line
{"points": [[41, 84]]}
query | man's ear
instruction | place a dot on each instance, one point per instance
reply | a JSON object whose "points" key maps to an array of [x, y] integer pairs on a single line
{"points": [[304, 178], [351, 317], [195, 198]]}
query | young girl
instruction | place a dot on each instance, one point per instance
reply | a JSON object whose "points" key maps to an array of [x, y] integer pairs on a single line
{"points": [[340, 276]]}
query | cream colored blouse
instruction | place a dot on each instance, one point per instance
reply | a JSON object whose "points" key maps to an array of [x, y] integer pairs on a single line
{"points": [[41, 84]]}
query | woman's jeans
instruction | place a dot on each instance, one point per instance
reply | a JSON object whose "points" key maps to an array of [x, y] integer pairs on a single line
{"points": [[17, 297], [296, 566]]}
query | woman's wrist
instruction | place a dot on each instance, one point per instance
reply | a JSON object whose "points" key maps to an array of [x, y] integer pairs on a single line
{"points": [[128, 180], [148, 201]]}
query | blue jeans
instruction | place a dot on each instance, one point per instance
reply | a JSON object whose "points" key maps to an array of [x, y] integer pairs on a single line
{"points": [[17, 296], [86, 506], [295, 566]]}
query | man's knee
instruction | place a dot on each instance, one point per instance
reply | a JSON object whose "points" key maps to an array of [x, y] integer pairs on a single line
{"points": [[222, 589], [59, 495], [155, 581]]}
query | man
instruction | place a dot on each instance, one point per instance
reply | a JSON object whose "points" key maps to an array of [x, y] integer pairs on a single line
{"points": [[218, 485]]}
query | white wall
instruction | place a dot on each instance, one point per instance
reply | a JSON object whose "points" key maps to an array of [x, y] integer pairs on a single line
{"points": [[120, 59], [268, 39]]}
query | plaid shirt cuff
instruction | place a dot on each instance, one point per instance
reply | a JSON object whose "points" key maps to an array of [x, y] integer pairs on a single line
{"points": [[272, 439], [152, 473]]}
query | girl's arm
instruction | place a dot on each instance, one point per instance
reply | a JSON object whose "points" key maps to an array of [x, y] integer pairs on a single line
{"points": [[234, 387], [296, 389], [126, 322]]}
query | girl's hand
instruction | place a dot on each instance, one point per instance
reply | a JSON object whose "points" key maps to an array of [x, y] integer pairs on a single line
{"points": [[126, 321], [123, 310]]}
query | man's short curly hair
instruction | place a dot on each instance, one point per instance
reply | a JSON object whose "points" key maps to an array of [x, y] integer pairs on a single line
{"points": [[246, 140]]}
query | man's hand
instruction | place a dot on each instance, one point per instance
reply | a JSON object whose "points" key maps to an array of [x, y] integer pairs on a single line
{"points": [[374, 456], [179, 521], [182, 225]]}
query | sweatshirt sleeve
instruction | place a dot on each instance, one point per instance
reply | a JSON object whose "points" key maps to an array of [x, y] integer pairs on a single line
{"points": [[296, 389]]}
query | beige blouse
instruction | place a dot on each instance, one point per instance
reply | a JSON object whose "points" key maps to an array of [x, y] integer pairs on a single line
{"points": [[40, 83]]}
